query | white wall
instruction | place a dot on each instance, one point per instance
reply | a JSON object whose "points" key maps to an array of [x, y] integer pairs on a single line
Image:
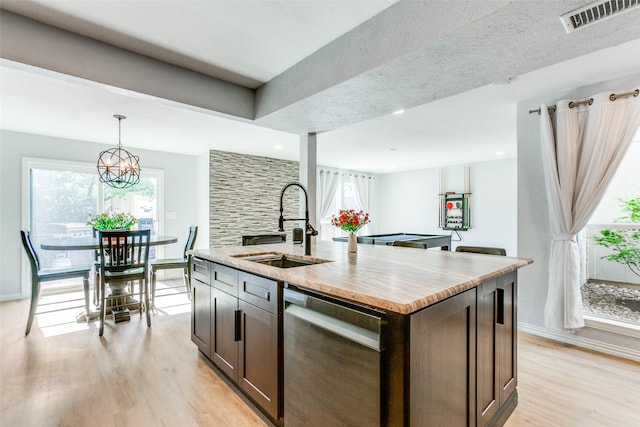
{"points": [[534, 232], [202, 198], [407, 202], [410, 203], [180, 194]]}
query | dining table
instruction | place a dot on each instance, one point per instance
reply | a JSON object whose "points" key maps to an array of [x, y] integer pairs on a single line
{"points": [[85, 243]]}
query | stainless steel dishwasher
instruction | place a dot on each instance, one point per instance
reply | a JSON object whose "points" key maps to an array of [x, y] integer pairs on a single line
{"points": [[332, 361]]}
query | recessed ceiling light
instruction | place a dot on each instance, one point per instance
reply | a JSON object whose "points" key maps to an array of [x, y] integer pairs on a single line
{"points": [[398, 112], [502, 83], [499, 153], [278, 147]]}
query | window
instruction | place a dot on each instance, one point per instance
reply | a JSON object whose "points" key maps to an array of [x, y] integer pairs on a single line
{"points": [[61, 195], [611, 291], [345, 197]]}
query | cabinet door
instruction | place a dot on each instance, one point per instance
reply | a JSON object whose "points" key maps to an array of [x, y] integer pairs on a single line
{"points": [[506, 335], [442, 363], [225, 331], [258, 371], [488, 396], [201, 316]]}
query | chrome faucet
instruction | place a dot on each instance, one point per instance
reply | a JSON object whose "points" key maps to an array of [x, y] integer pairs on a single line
{"points": [[308, 228]]}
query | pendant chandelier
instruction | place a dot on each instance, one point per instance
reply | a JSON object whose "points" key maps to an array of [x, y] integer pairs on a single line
{"points": [[117, 167]]}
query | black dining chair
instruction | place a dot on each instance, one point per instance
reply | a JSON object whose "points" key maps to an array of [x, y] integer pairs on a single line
{"points": [[40, 275], [482, 250], [409, 244], [174, 263], [124, 259]]}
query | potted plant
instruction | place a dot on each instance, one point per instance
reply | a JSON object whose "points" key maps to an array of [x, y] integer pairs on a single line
{"points": [[624, 242], [112, 221]]}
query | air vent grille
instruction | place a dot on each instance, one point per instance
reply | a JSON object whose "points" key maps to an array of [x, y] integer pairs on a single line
{"points": [[596, 12]]}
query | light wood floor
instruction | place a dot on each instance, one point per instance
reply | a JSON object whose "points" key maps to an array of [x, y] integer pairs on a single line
{"points": [[134, 376]]}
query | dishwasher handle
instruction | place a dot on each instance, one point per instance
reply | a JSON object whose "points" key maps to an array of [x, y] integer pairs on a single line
{"points": [[347, 330]]}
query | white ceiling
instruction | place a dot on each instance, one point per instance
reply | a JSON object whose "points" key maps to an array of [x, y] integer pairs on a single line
{"points": [[250, 43]]}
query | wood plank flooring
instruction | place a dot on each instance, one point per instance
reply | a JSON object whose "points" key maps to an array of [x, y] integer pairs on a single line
{"points": [[134, 376]]}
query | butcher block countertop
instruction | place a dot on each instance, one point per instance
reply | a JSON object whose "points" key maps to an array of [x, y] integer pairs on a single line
{"points": [[398, 279]]}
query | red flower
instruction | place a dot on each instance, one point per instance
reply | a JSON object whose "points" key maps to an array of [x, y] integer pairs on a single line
{"points": [[350, 220]]}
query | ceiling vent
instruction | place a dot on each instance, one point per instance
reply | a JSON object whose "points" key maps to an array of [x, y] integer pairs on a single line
{"points": [[596, 12]]}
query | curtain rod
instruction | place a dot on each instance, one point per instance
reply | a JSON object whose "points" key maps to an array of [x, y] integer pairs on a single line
{"points": [[589, 101]]}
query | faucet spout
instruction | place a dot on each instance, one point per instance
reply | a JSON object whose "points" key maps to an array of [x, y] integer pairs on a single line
{"points": [[309, 230]]}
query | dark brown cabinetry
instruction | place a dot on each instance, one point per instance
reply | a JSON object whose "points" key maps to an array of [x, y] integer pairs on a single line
{"points": [[259, 373], [496, 353], [224, 332], [245, 334], [201, 306], [442, 363], [461, 354]]}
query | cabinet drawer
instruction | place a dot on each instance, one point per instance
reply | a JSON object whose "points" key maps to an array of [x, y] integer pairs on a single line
{"points": [[259, 291], [226, 279], [201, 270]]}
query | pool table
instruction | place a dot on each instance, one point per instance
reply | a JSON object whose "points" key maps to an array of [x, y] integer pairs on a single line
{"points": [[432, 240]]}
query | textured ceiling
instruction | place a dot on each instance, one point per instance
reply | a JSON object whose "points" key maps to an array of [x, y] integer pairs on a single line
{"points": [[336, 67]]}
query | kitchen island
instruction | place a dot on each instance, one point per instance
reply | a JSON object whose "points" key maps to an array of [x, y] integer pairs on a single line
{"points": [[449, 325]]}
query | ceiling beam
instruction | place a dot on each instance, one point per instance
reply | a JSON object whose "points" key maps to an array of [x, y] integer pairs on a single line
{"points": [[33, 43]]}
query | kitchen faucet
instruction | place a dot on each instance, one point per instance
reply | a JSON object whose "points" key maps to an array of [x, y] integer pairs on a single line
{"points": [[308, 228]]}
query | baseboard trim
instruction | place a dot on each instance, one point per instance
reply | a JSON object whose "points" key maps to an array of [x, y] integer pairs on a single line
{"points": [[603, 347], [12, 297]]}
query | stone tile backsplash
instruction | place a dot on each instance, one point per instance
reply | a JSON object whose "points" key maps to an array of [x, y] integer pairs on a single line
{"points": [[244, 196]]}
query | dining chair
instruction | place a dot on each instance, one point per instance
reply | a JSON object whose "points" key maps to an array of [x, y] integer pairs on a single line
{"points": [[482, 250], [124, 259], [40, 275], [174, 263], [409, 244]]}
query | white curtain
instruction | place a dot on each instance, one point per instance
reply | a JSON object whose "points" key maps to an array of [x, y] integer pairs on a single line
{"points": [[579, 157], [327, 186], [363, 189]]}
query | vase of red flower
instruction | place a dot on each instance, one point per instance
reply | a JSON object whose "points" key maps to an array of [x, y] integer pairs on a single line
{"points": [[351, 221]]}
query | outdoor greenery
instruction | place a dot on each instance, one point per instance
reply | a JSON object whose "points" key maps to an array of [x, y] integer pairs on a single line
{"points": [[68, 196], [624, 242]]}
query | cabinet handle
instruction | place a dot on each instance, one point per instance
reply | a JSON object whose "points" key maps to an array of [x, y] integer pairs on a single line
{"points": [[500, 303], [237, 325], [267, 296]]}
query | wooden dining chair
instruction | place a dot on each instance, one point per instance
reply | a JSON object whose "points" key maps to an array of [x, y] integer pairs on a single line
{"points": [[174, 263], [482, 250], [40, 275], [124, 259]]}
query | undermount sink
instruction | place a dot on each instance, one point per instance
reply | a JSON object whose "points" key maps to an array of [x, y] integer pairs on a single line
{"points": [[280, 260]]}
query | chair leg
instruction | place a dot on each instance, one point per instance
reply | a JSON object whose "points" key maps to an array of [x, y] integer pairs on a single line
{"points": [[144, 306], [146, 302], [103, 306], [154, 277], [96, 287], [187, 282], [35, 296], [85, 285]]}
